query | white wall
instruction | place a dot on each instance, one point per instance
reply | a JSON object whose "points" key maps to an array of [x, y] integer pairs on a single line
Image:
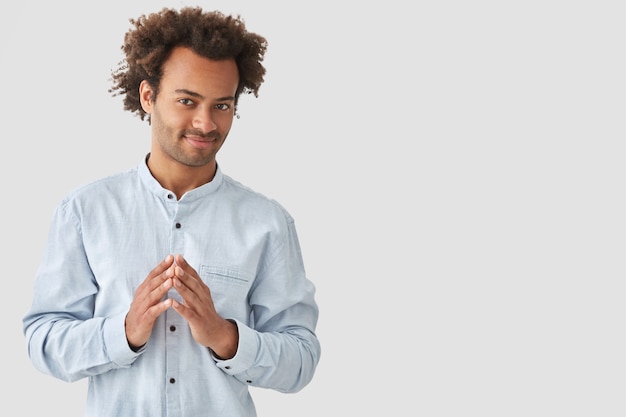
{"points": [[455, 169]]}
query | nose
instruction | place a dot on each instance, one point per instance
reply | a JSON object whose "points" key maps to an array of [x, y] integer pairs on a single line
{"points": [[203, 121]]}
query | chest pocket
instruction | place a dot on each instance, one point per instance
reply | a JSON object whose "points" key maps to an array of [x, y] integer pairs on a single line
{"points": [[229, 289]]}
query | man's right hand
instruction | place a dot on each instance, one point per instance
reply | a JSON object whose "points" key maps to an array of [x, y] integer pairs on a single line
{"points": [[147, 306]]}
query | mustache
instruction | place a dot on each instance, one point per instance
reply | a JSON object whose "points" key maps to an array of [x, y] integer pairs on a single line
{"points": [[213, 135]]}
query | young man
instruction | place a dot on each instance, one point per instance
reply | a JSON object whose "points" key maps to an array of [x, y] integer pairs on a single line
{"points": [[173, 287]]}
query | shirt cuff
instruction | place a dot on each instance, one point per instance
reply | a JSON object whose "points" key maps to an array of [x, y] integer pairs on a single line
{"points": [[114, 334], [246, 351]]}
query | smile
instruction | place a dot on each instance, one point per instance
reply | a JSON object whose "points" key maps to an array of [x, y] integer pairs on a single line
{"points": [[199, 143]]}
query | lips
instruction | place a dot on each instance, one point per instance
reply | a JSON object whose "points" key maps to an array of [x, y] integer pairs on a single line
{"points": [[200, 142]]}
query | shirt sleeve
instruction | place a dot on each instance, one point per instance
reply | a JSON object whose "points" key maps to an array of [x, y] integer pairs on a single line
{"points": [[64, 339], [280, 350]]}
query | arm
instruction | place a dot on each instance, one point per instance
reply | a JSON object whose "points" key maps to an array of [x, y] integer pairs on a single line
{"points": [[64, 338], [280, 349]]}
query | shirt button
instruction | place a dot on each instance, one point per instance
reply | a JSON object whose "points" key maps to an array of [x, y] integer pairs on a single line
{"points": [[227, 367], [178, 226], [170, 196], [172, 380], [172, 328], [249, 382]]}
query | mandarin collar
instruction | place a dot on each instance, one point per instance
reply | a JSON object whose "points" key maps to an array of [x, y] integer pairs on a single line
{"points": [[199, 192]]}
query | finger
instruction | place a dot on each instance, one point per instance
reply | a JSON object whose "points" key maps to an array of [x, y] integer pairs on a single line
{"points": [[155, 311], [156, 294], [190, 288], [161, 267], [158, 274], [187, 274], [139, 327], [145, 299], [182, 263], [182, 286], [157, 283], [187, 312]]}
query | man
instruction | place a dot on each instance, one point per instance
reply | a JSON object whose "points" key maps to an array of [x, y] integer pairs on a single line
{"points": [[171, 286]]}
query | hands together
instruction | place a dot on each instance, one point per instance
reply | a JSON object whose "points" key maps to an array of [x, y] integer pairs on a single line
{"points": [[207, 327]]}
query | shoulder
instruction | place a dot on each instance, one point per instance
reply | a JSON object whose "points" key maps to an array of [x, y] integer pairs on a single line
{"points": [[104, 189], [252, 199]]}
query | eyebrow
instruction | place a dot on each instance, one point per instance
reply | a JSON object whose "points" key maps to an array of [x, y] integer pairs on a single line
{"points": [[197, 95]]}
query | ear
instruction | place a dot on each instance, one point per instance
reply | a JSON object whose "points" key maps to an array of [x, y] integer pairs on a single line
{"points": [[145, 96]]}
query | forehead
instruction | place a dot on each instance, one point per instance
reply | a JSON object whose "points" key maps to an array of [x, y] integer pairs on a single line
{"points": [[184, 69]]}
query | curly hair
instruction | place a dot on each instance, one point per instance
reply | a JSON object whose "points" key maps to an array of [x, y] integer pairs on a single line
{"points": [[210, 34]]}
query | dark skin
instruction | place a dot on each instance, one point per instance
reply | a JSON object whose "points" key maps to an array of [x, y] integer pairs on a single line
{"points": [[190, 120], [207, 327]]}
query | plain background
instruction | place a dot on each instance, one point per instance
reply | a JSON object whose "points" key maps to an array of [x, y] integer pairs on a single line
{"points": [[455, 169]]}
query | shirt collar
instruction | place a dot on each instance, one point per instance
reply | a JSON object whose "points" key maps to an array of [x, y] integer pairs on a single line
{"points": [[155, 187]]}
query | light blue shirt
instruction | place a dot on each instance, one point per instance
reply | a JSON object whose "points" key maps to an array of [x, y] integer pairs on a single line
{"points": [[107, 236]]}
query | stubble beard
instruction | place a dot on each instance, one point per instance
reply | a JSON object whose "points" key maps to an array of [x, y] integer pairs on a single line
{"points": [[174, 146]]}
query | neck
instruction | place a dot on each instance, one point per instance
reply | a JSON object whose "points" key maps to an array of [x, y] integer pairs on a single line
{"points": [[180, 178]]}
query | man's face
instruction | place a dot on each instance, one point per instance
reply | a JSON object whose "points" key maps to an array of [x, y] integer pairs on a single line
{"points": [[194, 110]]}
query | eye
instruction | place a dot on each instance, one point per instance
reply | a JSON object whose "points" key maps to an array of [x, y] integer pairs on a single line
{"points": [[222, 106], [186, 101]]}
